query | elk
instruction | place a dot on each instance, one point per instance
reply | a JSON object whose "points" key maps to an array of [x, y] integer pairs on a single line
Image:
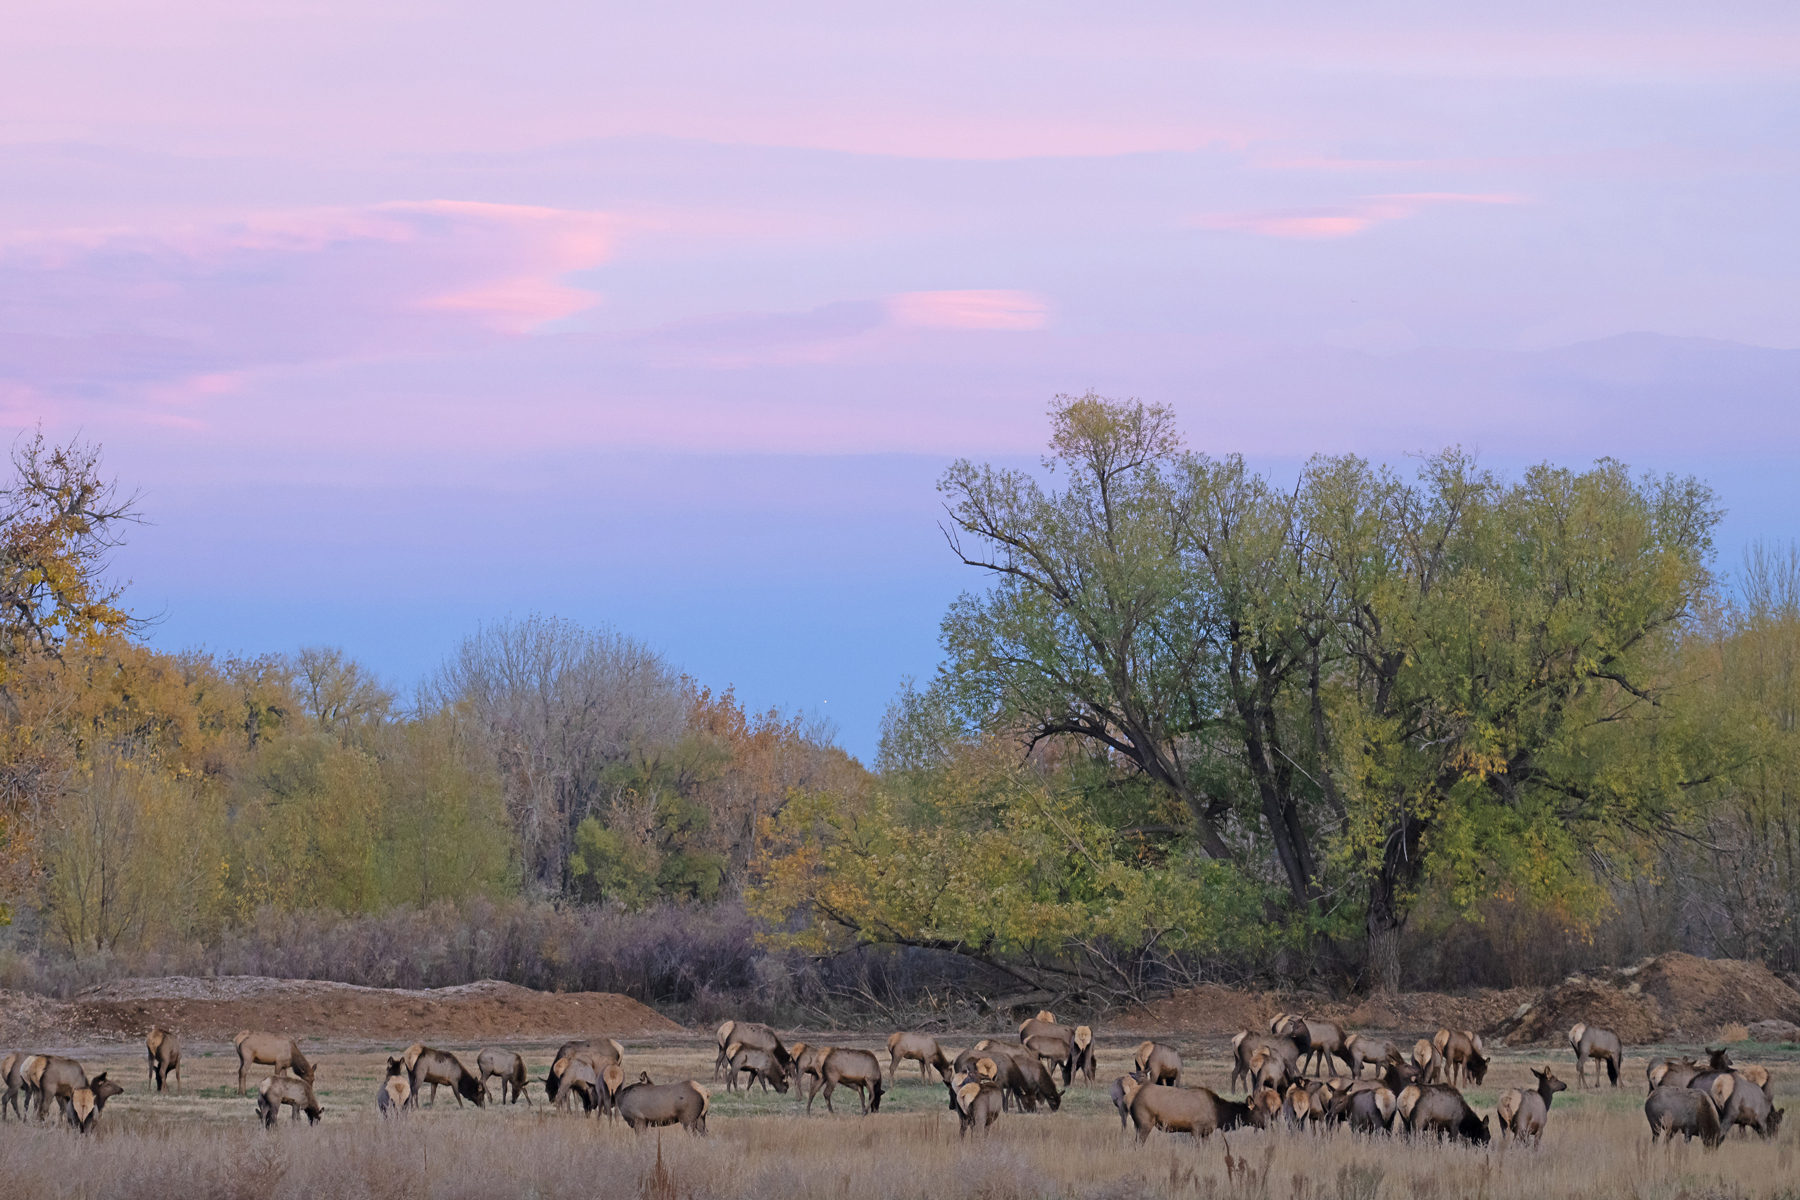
{"points": [[1021, 1072], [577, 1077], [746, 1033], [1673, 1110], [272, 1050], [85, 1103], [509, 1067], [1372, 1051], [1531, 1110], [1245, 1046], [278, 1090], [1741, 1102], [1462, 1055], [805, 1060], [1158, 1063], [850, 1068], [395, 1091], [1429, 1063], [647, 1105], [1365, 1109], [1590, 1042], [759, 1065], [1671, 1072], [1044, 1024], [12, 1071], [1441, 1110], [441, 1067], [1318, 1041], [164, 1050], [51, 1077], [1123, 1089], [978, 1103], [1268, 1071], [1182, 1110], [915, 1047]]}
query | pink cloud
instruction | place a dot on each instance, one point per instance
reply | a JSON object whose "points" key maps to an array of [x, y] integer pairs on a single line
{"points": [[968, 310], [1344, 220]]}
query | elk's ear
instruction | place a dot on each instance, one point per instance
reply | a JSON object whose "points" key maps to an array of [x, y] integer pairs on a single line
{"points": [[98, 1079]]}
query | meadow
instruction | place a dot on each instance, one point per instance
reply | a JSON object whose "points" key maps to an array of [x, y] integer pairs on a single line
{"points": [[206, 1143]]}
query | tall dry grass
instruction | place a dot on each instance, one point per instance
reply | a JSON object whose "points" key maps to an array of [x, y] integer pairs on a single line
{"points": [[1590, 1152]]}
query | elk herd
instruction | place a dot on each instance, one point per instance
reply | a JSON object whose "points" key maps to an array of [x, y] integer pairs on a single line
{"points": [[1289, 1076]]}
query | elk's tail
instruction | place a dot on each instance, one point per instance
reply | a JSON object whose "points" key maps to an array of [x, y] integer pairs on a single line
{"points": [[1612, 1070]]}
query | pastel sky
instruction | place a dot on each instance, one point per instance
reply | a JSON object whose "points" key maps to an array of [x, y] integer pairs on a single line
{"points": [[405, 316]]}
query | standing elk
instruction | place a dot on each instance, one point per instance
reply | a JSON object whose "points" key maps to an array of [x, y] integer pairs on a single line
{"points": [[85, 1104], [1245, 1046], [1440, 1110], [759, 1065], [442, 1067], [278, 1090], [1462, 1056], [1182, 1110], [1529, 1111], [275, 1050], [915, 1047], [1589, 1043], [1683, 1110], [1367, 1050], [1671, 1072], [1022, 1073], [509, 1067], [753, 1035], [53, 1078], [849, 1068], [1043, 1024], [1320, 1042], [806, 1060], [395, 1091], [1123, 1089], [978, 1102], [164, 1050], [12, 1072], [1742, 1102], [1158, 1063], [647, 1105]]}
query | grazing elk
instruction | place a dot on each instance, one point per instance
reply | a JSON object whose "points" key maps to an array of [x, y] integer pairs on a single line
{"points": [[52, 1078], [164, 1050], [442, 1067], [278, 1090], [85, 1103], [275, 1050], [1123, 1089], [1320, 1042], [1427, 1062], [509, 1067], [1590, 1043], [1462, 1055], [1683, 1110], [1245, 1046], [1365, 1109], [1183, 1110], [395, 1091], [978, 1103], [755, 1036], [1367, 1050], [1021, 1072], [849, 1068], [1741, 1102], [759, 1065], [1158, 1063], [1529, 1110], [915, 1047], [647, 1105], [1440, 1110], [577, 1078], [12, 1072], [806, 1060]]}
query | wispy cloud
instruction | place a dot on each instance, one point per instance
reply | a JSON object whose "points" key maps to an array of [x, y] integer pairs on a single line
{"points": [[969, 310], [1344, 220]]}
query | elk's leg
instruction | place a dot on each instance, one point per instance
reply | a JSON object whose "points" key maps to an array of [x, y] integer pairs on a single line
{"points": [[829, 1087]]}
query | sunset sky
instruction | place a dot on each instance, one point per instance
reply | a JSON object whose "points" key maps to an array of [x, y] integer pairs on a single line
{"points": [[405, 316]]}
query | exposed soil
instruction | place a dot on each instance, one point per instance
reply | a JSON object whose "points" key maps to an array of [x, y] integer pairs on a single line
{"points": [[216, 1009], [1216, 1011]]}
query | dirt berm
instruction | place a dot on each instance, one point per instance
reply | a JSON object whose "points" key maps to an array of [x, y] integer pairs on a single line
{"points": [[215, 1009], [1670, 998]]}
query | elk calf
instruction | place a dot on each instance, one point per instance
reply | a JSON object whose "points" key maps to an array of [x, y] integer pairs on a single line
{"points": [[978, 1103], [278, 1090], [395, 1091]]}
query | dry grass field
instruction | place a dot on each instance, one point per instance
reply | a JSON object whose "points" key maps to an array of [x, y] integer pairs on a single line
{"points": [[206, 1143]]}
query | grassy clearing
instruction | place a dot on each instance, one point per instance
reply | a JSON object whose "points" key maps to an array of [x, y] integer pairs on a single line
{"points": [[206, 1143]]}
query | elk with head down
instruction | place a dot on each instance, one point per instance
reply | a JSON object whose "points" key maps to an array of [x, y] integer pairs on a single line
{"points": [[647, 1105], [395, 1091], [1367, 1108], [53, 1078], [436, 1067], [1590, 1043], [275, 1050], [1044, 1025], [1321, 1043], [1683, 1110], [1198, 1111], [759, 1065], [1462, 1055], [1246, 1045], [12, 1072], [805, 1062], [1022, 1073], [1158, 1063], [509, 1067], [753, 1035], [914, 1047], [278, 1090], [164, 1050], [978, 1101], [858, 1069], [1364, 1050], [1741, 1102], [85, 1104], [1440, 1109]]}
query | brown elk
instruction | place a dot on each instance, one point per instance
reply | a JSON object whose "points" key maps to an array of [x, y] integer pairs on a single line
{"points": [[978, 1102], [1123, 1089], [647, 1105], [1245, 1046], [1590, 1043], [1044, 1024], [755, 1036], [12, 1071], [1363, 1049], [1531, 1111], [1742, 1102], [85, 1104], [1196, 1111], [1365, 1109], [53, 1078], [804, 1061], [1269, 1071], [1441, 1110], [1320, 1042], [395, 1091], [1158, 1063], [1428, 1062], [509, 1068], [1022, 1074], [278, 1090], [759, 1065], [442, 1067], [275, 1050], [849, 1068], [1671, 1072], [1683, 1110], [915, 1047], [1462, 1054], [574, 1077], [164, 1050]]}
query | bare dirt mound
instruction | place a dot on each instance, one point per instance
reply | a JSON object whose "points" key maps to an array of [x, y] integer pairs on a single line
{"points": [[1673, 997], [1212, 1010], [216, 1009]]}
